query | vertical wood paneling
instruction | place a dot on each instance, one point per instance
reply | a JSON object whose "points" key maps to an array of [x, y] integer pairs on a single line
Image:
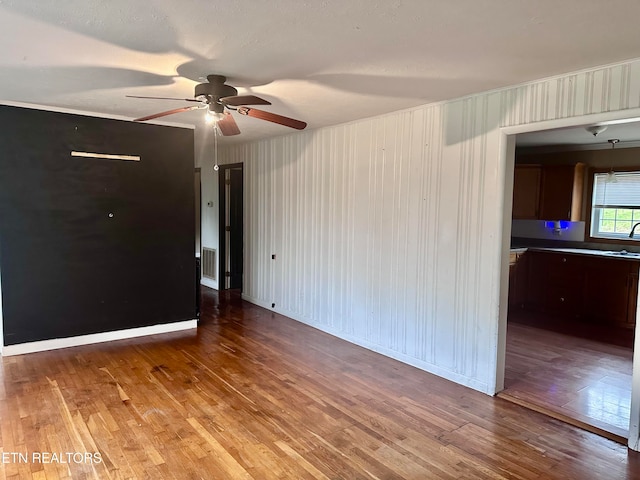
{"points": [[387, 230], [435, 161], [633, 85]]}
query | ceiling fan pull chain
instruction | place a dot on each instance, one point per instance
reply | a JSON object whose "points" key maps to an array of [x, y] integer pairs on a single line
{"points": [[215, 148]]}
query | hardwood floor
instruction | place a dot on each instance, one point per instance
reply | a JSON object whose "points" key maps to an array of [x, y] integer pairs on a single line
{"points": [[254, 395], [581, 380]]}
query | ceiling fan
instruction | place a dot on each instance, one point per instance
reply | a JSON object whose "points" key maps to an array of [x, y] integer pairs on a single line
{"points": [[219, 99]]}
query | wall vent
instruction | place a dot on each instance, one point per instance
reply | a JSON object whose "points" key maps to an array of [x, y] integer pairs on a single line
{"points": [[209, 263]]}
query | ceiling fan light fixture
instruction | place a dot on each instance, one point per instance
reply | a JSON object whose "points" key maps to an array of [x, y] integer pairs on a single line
{"points": [[214, 117]]}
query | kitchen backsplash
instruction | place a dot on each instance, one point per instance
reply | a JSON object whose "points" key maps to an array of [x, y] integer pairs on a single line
{"points": [[534, 233], [539, 229]]}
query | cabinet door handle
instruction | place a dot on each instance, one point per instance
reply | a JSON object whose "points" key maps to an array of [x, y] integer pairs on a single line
{"points": [[564, 260], [562, 299]]}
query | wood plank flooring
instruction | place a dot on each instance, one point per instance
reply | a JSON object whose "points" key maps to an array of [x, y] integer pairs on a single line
{"points": [[254, 395], [580, 379]]}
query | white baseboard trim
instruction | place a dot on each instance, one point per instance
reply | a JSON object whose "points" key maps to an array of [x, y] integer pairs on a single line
{"points": [[56, 343], [209, 283]]}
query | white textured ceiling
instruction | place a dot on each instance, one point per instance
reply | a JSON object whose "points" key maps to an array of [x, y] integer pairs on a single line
{"points": [[627, 134], [322, 61]]}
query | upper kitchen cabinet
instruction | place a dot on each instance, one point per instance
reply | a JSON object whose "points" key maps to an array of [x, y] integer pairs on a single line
{"points": [[526, 191], [561, 195], [549, 192]]}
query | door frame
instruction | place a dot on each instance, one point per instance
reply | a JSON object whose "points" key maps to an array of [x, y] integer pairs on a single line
{"points": [[507, 164], [223, 202]]}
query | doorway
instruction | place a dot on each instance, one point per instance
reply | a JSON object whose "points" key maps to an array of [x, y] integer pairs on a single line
{"points": [[231, 194], [545, 351]]}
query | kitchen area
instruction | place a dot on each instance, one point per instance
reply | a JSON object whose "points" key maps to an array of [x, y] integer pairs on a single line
{"points": [[573, 276]]}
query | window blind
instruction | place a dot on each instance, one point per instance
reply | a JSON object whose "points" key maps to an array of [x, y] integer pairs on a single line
{"points": [[624, 192]]}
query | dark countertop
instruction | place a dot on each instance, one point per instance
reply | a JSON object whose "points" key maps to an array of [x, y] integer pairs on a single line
{"points": [[618, 254]]}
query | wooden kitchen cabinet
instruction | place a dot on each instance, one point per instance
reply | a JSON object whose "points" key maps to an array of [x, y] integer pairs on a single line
{"points": [[555, 283], [588, 287], [564, 282], [536, 279], [526, 191], [561, 192], [632, 300], [549, 192], [518, 273], [610, 290]]}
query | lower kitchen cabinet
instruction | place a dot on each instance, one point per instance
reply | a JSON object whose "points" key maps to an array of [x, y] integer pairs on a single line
{"points": [[587, 287], [563, 285], [518, 267], [606, 289]]}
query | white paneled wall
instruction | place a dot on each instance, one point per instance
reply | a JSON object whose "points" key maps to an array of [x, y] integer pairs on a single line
{"points": [[388, 232]]}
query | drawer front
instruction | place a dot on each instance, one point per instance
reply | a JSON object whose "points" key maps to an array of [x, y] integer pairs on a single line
{"points": [[563, 262], [563, 294], [563, 302]]}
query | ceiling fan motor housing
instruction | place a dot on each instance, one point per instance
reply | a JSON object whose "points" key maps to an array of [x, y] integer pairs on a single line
{"points": [[215, 90]]}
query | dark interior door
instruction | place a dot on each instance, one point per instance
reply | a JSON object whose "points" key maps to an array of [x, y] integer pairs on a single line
{"points": [[235, 224], [230, 191]]}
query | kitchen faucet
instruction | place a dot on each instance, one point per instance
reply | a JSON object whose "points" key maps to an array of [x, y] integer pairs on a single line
{"points": [[633, 230]]}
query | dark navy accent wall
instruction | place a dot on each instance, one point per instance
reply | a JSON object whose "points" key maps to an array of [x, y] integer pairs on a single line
{"points": [[67, 267]]}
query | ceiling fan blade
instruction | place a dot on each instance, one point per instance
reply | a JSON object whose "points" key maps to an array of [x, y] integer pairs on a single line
{"points": [[228, 125], [164, 98], [168, 112], [272, 117], [238, 100]]}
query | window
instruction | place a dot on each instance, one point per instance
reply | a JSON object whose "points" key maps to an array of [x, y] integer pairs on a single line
{"points": [[615, 205]]}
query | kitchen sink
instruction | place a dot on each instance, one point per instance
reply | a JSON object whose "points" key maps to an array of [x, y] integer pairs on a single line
{"points": [[624, 253]]}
